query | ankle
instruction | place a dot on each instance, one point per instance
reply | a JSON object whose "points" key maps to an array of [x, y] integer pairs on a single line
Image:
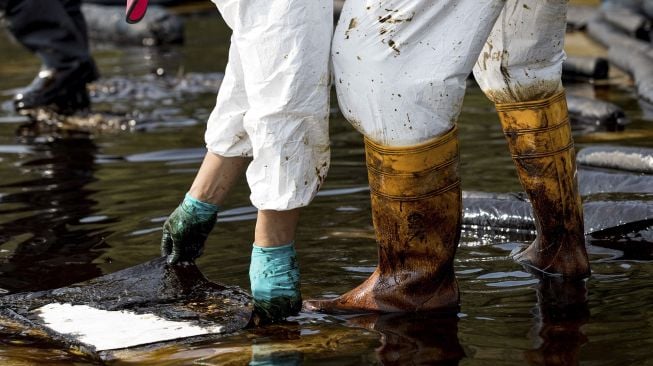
{"points": [[274, 277]]}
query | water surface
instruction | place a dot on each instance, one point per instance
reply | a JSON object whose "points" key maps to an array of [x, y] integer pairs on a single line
{"points": [[78, 208]]}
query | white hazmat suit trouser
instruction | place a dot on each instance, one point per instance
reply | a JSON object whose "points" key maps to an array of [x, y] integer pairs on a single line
{"points": [[273, 104], [400, 66]]}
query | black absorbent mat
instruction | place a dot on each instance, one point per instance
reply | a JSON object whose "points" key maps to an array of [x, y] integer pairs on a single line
{"points": [[148, 303]]}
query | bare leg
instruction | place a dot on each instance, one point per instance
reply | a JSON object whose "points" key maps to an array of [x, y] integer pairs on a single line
{"points": [[275, 228], [273, 270], [214, 180]]}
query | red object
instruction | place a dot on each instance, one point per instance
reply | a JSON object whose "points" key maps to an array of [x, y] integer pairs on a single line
{"points": [[136, 10]]}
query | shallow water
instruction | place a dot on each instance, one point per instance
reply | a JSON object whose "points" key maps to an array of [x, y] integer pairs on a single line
{"points": [[74, 209]]}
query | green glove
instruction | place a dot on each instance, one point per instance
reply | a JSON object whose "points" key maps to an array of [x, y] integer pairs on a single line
{"points": [[186, 230], [274, 277]]}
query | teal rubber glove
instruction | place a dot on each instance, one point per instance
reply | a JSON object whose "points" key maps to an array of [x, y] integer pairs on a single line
{"points": [[274, 277], [186, 230]]}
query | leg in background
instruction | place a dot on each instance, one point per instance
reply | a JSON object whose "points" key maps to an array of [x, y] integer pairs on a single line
{"points": [[47, 29]]}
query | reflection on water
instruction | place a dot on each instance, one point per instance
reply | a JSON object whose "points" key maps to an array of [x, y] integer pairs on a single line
{"points": [[561, 312], [43, 229], [74, 209], [417, 339], [405, 339]]}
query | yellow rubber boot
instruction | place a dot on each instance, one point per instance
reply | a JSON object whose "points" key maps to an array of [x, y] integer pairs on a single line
{"points": [[539, 138], [416, 211]]}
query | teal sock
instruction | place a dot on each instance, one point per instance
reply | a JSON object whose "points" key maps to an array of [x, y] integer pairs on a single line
{"points": [[274, 277]]}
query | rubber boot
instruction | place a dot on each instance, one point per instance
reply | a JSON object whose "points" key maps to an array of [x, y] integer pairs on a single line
{"points": [[416, 211], [539, 138], [60, 90], [56, 31]]}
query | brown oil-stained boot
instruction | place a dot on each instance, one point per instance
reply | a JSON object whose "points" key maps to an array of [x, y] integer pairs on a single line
{"points": [[416, 210], [539, 137]]}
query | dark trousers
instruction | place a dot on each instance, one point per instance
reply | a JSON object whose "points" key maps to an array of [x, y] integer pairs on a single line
{"points": [[53, 29]]}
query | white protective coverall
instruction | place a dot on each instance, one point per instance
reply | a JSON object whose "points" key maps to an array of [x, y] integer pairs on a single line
{"points": [[273, 104], [400, 66]]}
